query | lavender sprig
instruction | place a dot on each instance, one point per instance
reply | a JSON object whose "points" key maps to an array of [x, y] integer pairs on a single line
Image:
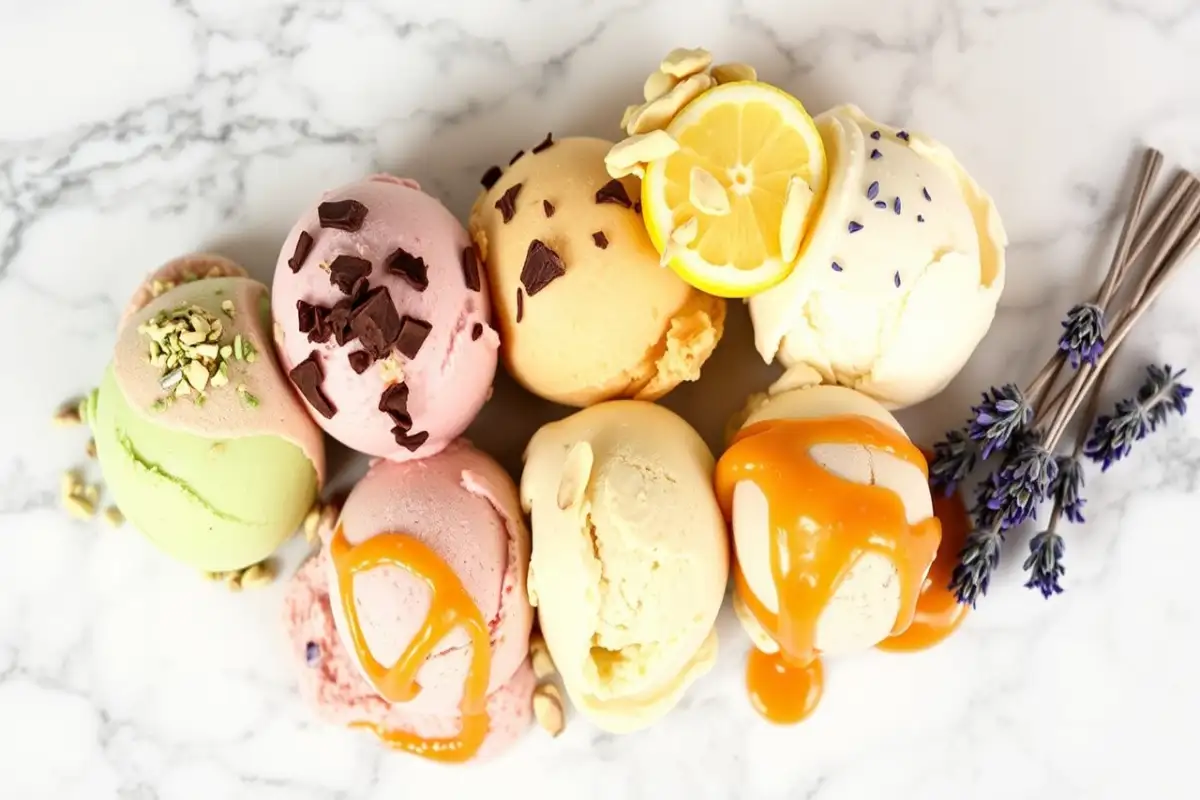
{"points": [[1003, 412], [1082, 338], [953, 459], [1021, 484], [1114, 434], [1068, 487], [979, 557], [1045, 563]]}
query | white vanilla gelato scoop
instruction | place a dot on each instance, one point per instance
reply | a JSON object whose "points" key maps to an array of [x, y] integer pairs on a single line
{"points": [[900, 276]]}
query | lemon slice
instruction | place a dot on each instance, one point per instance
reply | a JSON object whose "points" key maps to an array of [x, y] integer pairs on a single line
{"points": [[753, 139]]}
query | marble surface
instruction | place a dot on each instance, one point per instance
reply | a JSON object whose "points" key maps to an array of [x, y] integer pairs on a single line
{"points": [[135, 130]]}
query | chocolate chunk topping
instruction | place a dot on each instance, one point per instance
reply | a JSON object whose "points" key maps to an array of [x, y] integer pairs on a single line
{"points": [[375, 322], [544, 143], [394, 402], [491, 176], [303, 248], [346, 271], [542, 265], [411, 268], [306, 316], [637, 207], [308, 376], [470, 267], [507, 204], [412, 336], [548, 207], [407, 441], [513, 160], [360, 361], [613, 192], [600, 239], [338, 321], [476, 331], [520, 305], [344, 215]]}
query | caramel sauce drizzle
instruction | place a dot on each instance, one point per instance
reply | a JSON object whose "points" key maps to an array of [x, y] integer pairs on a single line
{"points": [[450, 607], [820, 524]]}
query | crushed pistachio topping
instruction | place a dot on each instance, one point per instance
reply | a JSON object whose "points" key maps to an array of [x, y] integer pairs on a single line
{"points": [[186, 344]]}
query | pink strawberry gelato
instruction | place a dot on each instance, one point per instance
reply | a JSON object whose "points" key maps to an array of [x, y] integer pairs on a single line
{"points": [[462, 505], [439, 343]]}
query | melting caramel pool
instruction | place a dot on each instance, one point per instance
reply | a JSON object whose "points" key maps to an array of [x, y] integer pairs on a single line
{"points": [[820, 524], [450, 607]]}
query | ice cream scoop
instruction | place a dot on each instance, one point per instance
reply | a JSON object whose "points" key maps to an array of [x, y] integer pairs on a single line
{"points": [[584, 310], [833, 532], [630, 558], [413, 621], [900, 274], [382, 319], [202, 442]]}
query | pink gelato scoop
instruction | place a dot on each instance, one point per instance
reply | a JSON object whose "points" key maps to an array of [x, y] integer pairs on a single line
{"points": [[383, 319], [462, 505]]}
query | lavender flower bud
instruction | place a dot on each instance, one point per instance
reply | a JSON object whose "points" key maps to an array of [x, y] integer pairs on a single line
{"points": [[1113, 435], [977, 560], [1003, 412], [1083, 334], [1023, 482], [1068, 486], [953, 459], [1044, 563]]}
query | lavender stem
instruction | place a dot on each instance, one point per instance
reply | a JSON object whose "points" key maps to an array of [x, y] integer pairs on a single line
{"points": [[1151, 161]]}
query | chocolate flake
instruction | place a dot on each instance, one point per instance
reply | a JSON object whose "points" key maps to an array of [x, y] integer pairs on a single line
{"points": [[548, 207], [520, 304], [304, 246], [491, 176], [394, 403], [637, 207], [542, 266], [376, 323], [514, 159], [360, 361], [412, 335], [308, 376], [613, 192], [544, 143], [600, 240], [507, 204], [346, 271], [343, 215], [306, 316], [411, 268], [470, 268], [476, 331], [337, 321], [410, 441]]}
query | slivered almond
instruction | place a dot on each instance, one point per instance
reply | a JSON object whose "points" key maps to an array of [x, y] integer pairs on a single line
{"points": [[680, 238], [658, 84], [791, 223], [707, 194], [657, 114], [628, 155], [731, 73], [682, 62], [548, 709]]}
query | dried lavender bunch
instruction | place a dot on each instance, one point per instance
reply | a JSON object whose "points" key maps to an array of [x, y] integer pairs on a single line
{"points": [[1003, 412], [1114, 434], [1022, 483], [1045, 563], [953, 460], [977, 560], [1067, 487], [1082, 339]]}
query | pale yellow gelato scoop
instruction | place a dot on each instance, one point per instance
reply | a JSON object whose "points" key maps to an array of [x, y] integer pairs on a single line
{"points": [[900, 275], [864, 607], [584, 310], [630, 558]]}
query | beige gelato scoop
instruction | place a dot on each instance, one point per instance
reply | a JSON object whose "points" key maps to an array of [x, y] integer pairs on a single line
{"points": [[630, 558]]}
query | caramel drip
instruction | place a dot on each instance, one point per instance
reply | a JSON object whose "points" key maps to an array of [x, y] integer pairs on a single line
{"points": [[450, 607], [938, 612], [820, 525]]}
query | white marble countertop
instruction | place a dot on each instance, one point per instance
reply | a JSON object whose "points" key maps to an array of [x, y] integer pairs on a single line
{"points": [[135, 130]]}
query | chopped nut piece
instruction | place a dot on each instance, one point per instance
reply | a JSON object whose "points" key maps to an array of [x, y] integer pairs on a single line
{"points": [[90, 448], [258, 575], [329, 518], [657, 114], [628, 115], [548, 709], [114, 517], [79, 507], [68, 415], [731, 73], [707, 194], [539, 658], [791, 223], [310, 522], [658, 84], [233, 580], [682, 62], [639, 149], [69, 484]]}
